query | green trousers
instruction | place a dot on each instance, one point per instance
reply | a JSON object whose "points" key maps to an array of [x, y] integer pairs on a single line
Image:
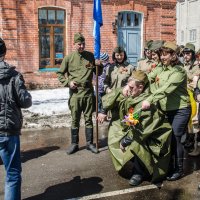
{"points": [[79, 105]]}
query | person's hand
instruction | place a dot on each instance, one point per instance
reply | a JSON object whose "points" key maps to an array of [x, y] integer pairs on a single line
{"points": [[195, 80], [97, 62], [198, 98], [126, 91], [108, 90], [122, 148], [101, 117], [191, 85], [145, 105], [94, 82], [73, 85]]}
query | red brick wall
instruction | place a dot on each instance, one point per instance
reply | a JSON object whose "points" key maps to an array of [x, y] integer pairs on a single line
{"points": [[19, 29]]}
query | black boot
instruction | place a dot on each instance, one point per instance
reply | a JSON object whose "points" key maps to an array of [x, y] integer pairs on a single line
{"points": [[189, 143], [89, 139], [178, 173], [74, 142], [136, 180]]}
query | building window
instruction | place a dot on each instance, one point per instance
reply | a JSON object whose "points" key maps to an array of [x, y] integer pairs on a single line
{"points": [[193, 35], [51, 37], [128, 19]]}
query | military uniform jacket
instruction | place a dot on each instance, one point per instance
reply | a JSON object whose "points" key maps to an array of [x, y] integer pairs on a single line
{"points": [[192, 70], [151, 137], [117, 75], [145, 65], [79, 68], [169, 87]]}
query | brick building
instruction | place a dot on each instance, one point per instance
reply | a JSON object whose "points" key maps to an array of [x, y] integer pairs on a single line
{"points": [[38, 33]]}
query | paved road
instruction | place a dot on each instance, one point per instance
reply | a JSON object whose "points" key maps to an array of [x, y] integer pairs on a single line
{"points": [[50, 174]]}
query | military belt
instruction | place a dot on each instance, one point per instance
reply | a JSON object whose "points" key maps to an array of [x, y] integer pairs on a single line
{"points": [[85, 85]]}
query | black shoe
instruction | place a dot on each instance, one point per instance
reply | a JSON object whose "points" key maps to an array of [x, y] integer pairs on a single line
{"points": [[198, 137], [72, 149], [175, 176], [136, 180], [92, 148]]}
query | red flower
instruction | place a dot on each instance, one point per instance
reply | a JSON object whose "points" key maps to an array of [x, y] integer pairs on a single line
{"points": [[153, 66], [131, 110], [157, 79], [123, 70]]}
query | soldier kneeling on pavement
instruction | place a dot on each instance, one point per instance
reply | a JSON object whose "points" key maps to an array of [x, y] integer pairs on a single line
{"points": [[143, 137]]}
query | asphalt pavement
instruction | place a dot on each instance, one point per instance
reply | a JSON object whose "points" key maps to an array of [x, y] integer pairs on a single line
{"points": [[50, 174]]}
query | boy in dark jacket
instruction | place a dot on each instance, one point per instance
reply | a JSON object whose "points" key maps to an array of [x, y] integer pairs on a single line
{"points": [[13, 97]]}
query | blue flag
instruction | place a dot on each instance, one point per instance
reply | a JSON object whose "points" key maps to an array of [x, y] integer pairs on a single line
{"points": [[98, 22]]}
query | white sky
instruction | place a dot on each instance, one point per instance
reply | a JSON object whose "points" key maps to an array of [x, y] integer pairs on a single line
{"points": [[51, 101]]}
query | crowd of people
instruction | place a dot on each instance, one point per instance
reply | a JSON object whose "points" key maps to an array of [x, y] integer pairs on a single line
{"points": [[173, 84], [153, 108]]}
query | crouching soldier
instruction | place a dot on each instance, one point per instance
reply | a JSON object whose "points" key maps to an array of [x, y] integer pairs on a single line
{"points": [[141, 136], [78, 67]]}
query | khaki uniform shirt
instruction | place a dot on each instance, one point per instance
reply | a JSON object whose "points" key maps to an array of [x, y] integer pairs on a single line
{"points": [[169, 87], [145, 65], [192, 70], [79, 68], [117, 75]]}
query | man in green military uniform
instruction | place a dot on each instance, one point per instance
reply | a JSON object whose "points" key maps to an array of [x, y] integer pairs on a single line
{"points": [[148, 141], [76, 72], [145, 63]]}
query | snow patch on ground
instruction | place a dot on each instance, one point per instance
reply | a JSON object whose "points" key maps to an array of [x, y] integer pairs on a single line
{"points": [[50, 102], [49, 109]]}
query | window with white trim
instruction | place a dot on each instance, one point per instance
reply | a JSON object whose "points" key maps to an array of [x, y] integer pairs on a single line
{"points": [[51, 37]]}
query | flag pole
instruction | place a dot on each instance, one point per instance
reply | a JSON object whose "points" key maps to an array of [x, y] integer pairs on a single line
{"points": [[98, 22], [97, 97]]}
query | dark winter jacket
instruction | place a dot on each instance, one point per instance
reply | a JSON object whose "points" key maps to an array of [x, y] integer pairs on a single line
{"points": [[13, 97]]}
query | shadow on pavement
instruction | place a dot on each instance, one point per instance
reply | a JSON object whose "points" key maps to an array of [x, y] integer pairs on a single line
{"points": [[191, 164], [77, 187], [35, 153]]}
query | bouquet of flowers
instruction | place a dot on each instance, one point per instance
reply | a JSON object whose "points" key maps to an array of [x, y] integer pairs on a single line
{"points": [[132, 118]]}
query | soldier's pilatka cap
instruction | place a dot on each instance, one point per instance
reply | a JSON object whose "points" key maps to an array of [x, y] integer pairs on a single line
{"points": [[147, 44], [155, 45], [198, 52], [2, 48], [78, 37], [189, 47], [140, 76], [119, 49], [170, 45]]}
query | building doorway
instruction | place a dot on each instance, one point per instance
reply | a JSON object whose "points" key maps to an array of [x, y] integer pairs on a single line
{"points": [[129, 34]]}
